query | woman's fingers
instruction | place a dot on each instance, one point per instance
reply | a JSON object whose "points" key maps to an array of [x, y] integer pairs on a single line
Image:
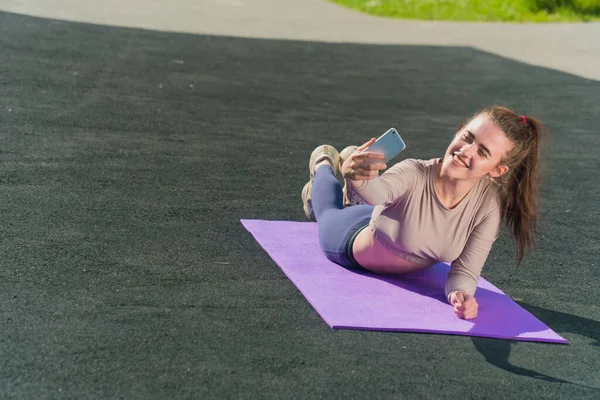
{"points": [[467, 309], [364, 146], [367, 157], [363, 166], [361, 175], [369, 161], [357, 170], [372, 165], [465, 305], [365, 174]]}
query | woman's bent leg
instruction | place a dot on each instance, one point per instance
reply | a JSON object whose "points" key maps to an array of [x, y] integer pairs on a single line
{"points": [[337, 225]]}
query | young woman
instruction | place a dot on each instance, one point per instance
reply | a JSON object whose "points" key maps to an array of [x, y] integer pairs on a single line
{"points": [[418, 213]]}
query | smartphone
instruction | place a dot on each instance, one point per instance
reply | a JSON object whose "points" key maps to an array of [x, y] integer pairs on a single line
{"points": [[390, 144]]}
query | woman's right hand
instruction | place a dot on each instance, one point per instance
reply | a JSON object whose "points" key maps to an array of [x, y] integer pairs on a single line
{"points": [[465, 305], [363, 166]]}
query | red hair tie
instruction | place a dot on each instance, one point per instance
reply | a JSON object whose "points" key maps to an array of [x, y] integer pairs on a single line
{"points": [[524, 119]]}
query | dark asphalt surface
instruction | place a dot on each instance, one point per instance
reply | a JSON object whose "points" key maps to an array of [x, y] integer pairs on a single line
{"points": [[129, 156]]}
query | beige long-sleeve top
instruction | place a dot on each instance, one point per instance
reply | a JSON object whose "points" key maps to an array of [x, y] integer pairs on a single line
{"points": [[410, 221]]}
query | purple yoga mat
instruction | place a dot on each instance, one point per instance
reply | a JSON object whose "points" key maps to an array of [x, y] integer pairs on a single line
{"points": [[411, 303]]}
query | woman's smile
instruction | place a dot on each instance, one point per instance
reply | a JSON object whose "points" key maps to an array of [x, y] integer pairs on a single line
{"points": [[458, 161]]}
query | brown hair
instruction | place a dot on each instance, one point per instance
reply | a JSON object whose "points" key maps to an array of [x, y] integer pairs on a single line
{"points": [[520, 198]]}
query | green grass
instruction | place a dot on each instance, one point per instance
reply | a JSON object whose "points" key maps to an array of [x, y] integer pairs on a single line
{"points": [[481, 10]]}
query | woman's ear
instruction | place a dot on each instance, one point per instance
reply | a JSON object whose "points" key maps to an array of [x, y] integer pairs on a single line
{"points": [[499, 171]]}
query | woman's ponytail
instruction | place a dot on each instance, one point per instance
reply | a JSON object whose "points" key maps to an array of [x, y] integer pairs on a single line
{"points": [[521, 184]]}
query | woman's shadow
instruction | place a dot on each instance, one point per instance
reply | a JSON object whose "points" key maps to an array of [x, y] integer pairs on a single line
{"points": [[497, 352]]}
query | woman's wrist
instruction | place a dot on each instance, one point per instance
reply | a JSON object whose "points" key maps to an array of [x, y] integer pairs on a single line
{"points": [[449, 297], [454, 292], [355, 184]]}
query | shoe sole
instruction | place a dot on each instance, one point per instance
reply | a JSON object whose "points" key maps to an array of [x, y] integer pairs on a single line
{"points": [[307, 202]]}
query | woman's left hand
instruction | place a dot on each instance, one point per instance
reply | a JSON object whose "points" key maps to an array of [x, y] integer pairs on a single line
{"points": [[465, 305]]}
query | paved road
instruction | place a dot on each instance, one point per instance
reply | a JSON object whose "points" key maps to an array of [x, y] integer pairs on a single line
{"points": [[573, 48]]}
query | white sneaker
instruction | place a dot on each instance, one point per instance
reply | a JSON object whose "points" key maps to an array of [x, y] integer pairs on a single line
{"points": [[322, 152]]}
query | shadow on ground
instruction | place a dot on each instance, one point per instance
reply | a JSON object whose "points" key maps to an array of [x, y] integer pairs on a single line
{"points": [[497, 352]]}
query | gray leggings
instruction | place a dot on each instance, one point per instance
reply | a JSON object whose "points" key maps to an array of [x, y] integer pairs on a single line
{"points": [[338, 226]]}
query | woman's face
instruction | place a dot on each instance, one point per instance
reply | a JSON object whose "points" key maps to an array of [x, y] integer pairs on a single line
{"points": [[476, 151]]}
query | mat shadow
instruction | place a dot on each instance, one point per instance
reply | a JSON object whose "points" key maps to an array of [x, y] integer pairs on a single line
{"points": [[497, 352]]}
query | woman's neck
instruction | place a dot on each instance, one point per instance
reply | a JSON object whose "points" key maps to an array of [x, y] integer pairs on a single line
{"points": [[450, 192]]}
